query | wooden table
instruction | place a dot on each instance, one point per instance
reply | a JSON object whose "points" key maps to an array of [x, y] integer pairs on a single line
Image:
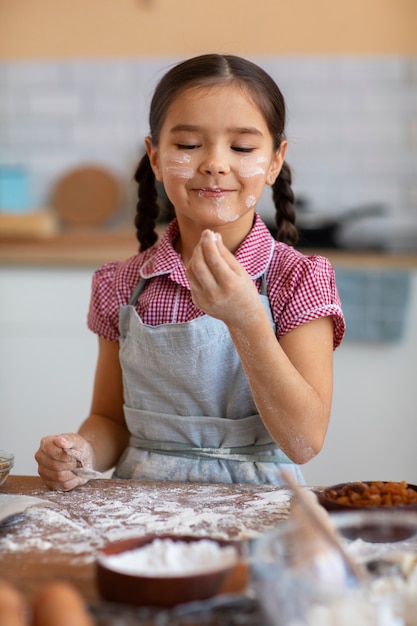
{"points": [[59, 540]]}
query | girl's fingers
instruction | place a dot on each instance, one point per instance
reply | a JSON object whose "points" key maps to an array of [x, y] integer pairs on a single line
{"points": [[58, 479], [219, 258], [220, 286], [72, 444], [199, 272], [74, 449], [211, 262], [58, 455]]}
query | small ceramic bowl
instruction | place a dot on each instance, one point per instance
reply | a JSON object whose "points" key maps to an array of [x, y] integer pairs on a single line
{"points": [[157, 590], [339, 497], [6, 464]]}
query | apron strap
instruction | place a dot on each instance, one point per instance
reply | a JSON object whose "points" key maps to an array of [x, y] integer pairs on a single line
{"points": [[252, 454], [264, 286], [137, 291]]}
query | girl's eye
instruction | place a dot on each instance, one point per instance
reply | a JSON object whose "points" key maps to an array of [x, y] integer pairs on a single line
{"points": [[183, 146], [242, 149]]}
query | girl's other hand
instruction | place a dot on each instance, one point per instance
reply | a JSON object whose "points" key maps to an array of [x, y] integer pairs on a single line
{"points": [[220, 286], [58, 455]]}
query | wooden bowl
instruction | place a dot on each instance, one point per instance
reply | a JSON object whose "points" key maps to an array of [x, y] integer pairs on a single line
{"points": [[328, 497], [158, 591], [376, 523]]}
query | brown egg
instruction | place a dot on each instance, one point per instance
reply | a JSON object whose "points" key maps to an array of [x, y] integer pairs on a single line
{"points": [[60, 604], [12, 606]]}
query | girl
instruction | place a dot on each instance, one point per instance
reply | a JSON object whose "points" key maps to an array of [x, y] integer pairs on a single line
{"points": [[215, 344]]}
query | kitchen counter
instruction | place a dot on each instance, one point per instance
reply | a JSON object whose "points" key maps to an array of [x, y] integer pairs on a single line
{"points": [[78, 248], [92, 248]]}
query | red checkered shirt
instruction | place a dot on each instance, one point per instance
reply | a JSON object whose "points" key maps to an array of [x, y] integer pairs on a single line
{"points": [[300, 288]]}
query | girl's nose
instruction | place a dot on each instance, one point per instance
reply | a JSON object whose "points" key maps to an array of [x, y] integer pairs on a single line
{"points": [[215, 163]]}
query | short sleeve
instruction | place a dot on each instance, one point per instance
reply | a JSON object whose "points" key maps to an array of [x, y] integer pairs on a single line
{"points": [[307, 292], [103, 313]]}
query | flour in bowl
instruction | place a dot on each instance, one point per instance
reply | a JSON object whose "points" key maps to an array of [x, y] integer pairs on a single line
{"points": [[166, 557]]}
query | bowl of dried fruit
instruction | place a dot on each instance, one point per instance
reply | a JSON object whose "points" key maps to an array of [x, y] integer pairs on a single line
{"points": [[376, 511], [375, 494]]}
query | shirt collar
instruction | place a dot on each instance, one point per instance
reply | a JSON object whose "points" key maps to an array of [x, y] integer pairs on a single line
{"points": [[256, 251], [254, 254], [163, 259]]}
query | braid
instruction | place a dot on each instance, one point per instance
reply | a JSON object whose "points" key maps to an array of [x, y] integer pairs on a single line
{"points": [[147, 209], [283, 196]]}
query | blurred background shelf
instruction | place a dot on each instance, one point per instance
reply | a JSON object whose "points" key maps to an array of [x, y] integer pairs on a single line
{"points": [[80, 248], [92, 247]]}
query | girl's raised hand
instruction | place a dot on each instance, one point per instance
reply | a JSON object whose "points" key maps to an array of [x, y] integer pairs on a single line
{"points": [[59, 455], [220, 286]]}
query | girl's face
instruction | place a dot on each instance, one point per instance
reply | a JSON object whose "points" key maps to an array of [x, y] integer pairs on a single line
{"points": [[214, 156]]}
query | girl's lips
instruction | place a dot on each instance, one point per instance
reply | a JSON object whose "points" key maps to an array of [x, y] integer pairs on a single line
{"points": [[212, 192]]}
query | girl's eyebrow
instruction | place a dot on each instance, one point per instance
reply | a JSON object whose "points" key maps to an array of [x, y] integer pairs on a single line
{"points": [[238, 130]]}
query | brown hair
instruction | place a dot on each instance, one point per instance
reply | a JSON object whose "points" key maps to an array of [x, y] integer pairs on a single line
{"points": [[203, 71]]}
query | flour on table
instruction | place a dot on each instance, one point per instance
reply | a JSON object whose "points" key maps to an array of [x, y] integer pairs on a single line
{"points": [[276, 496], [84, 520]]}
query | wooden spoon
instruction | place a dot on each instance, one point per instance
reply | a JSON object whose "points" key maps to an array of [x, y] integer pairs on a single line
{"points": [[357, 570]]}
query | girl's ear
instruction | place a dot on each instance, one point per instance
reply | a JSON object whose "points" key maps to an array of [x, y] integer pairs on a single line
{"points": [[152, 152], [277, 162]]}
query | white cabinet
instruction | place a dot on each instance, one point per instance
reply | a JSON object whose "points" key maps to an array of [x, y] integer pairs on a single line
{"points": [[373, 430], [47, 362], [47, 357]]}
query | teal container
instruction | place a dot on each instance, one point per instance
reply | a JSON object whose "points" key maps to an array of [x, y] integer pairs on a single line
{"points": [[14, 189]]}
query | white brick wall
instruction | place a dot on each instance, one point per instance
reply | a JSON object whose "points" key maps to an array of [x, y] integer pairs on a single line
{"points": [[351, 123]]}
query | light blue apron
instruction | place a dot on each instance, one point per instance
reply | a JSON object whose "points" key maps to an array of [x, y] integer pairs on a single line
{"points": [[188, 405]]}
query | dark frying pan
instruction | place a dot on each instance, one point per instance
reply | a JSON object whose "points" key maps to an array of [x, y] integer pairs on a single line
{"points": [[318, 231]]}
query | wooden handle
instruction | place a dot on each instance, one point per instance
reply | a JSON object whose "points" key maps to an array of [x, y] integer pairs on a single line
{"points": [[332, 538]]}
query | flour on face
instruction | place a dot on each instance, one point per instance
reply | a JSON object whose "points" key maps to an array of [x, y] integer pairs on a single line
{"points": [[177, 164], [251, 166], [250, 201], [224, 211]]}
